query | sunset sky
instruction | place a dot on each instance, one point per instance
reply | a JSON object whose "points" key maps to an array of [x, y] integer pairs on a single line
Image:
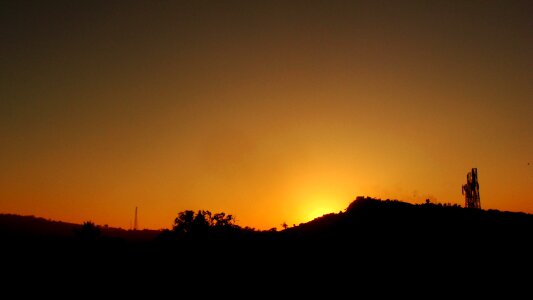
{"points": [[273, 111]]}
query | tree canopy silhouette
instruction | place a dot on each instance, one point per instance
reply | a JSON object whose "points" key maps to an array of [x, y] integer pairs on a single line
{"points": [[88, 231], [202, 222]]}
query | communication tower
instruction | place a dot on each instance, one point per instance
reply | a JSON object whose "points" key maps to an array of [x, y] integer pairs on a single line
{"points": [[471, 190]]}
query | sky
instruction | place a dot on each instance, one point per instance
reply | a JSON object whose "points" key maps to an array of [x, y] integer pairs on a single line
{"points": [[273, 111]]}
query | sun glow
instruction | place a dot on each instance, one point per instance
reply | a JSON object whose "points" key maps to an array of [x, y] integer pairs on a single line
{"points": [[318, 206], [318, 211], [322, 188]]}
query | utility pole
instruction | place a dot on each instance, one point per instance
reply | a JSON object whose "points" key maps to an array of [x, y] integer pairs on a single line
{"points": [[135, 220]]}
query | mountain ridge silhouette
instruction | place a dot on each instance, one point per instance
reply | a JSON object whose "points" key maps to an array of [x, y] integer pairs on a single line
{"points": [[29, 226], [370, 239], [363, 211]]}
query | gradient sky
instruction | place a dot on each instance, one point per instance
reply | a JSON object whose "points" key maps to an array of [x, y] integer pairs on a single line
{"points": [[270, 110]]}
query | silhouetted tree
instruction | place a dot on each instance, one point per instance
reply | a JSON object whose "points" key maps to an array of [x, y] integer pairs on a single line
{"points": [[88, 231], [284, 225], [251, 229], [183, 223], [200, 223], [221, 220]]}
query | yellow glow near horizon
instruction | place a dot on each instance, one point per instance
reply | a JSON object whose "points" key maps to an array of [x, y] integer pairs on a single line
{"points": [[267, 111], [318, 211], [317, 201]]}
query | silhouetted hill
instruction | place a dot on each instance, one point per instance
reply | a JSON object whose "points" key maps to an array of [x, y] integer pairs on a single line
{"points": [[31, 227], [370, 239], [366, 220], [372, 217], [373, 226]]}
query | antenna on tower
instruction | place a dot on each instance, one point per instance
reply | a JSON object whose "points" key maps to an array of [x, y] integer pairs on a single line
{"points": [[135, 220], [471, 190]]}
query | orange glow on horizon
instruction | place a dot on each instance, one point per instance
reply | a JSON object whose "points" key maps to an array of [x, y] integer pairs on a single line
{"points": [[266, 111], [318, 211]]}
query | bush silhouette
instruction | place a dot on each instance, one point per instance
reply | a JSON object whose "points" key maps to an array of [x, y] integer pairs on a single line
{"points": [[88, 231], [201, 223]]}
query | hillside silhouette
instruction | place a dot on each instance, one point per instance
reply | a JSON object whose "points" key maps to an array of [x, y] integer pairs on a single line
{"points": [[365, 219], [370, 237], [35, 228]]}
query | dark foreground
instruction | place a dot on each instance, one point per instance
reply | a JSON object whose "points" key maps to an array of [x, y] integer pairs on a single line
{"points": [[388, 243]]}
